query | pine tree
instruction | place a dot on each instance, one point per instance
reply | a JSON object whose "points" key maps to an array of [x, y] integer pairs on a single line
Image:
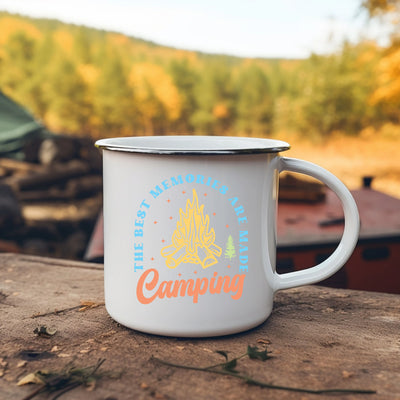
{"points": [[184, 78], [230, 251], [114, 106], [255, 104], [215, 99], [66, 95]]}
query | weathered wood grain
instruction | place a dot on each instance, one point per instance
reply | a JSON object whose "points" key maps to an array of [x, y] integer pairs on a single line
{"points": [[320, 338]]}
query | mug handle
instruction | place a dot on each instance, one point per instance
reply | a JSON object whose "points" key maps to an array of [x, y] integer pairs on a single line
{"points": [[350, 234]]}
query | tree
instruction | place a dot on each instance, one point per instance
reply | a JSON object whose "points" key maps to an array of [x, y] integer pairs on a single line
{"points": [[16, 66], [215, 99], [336, 91], [379, 7], [68, 109], [157, 98], [386, 95], [254, 105], [114, 105], [36, 96], [230, 251], [184, 77], [82, 46]]}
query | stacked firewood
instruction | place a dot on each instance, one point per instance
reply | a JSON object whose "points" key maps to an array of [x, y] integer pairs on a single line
{"points": [[50, 199]]}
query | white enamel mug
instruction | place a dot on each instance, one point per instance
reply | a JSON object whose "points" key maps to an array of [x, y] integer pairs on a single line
{"points": [[190, 232]]}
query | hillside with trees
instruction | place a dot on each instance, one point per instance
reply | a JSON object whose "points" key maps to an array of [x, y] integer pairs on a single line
{"points": [[79, 80]]}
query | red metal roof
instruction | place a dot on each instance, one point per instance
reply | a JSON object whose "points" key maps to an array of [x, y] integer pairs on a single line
{"points": [[318, 222]]}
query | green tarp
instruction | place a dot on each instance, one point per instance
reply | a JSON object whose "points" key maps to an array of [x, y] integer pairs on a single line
{"points": [[17, 127]]}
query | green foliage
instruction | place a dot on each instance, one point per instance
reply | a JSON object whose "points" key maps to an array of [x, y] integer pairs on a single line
{"points": [[256, 354], [113, 105], [215, 98], [83, 80], [336, 92], [57, 383], [184, 78], [66, 96], [255, 103], [17, 63]]}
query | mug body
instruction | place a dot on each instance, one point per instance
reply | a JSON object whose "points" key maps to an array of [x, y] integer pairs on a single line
{"points": [[189, 240]]}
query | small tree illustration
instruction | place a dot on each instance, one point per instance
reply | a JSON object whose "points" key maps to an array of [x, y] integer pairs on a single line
{"points": [[230, 251]]}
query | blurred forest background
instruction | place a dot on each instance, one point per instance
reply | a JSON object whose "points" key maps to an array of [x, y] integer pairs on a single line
{"points": [[340, 110]]}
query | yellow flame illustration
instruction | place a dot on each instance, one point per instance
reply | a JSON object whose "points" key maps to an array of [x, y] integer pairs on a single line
{"points": [[192, 240]]}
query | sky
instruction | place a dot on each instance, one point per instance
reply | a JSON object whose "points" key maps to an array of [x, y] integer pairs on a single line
{"points": [[246, 28]]}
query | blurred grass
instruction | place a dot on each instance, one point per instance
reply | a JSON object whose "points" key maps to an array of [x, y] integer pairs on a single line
{"points": [[372, 153]]}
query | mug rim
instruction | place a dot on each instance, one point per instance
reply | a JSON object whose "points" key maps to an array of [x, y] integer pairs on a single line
{"points": [[192, 145]]}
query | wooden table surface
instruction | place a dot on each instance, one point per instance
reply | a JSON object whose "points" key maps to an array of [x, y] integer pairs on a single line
{"points": [[320, 338]]}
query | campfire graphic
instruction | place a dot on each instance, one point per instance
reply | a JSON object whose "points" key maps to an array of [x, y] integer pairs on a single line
{"points": [[192, 240]]}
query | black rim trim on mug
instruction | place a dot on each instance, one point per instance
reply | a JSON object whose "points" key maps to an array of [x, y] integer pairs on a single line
{"points": [[253, 145]]}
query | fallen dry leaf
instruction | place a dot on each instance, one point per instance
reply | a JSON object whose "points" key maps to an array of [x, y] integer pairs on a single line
{"points": [[86, 304], [263, 341], [32, 377], [91, 385], [347, 374], [3, 366], [22, 364]]}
